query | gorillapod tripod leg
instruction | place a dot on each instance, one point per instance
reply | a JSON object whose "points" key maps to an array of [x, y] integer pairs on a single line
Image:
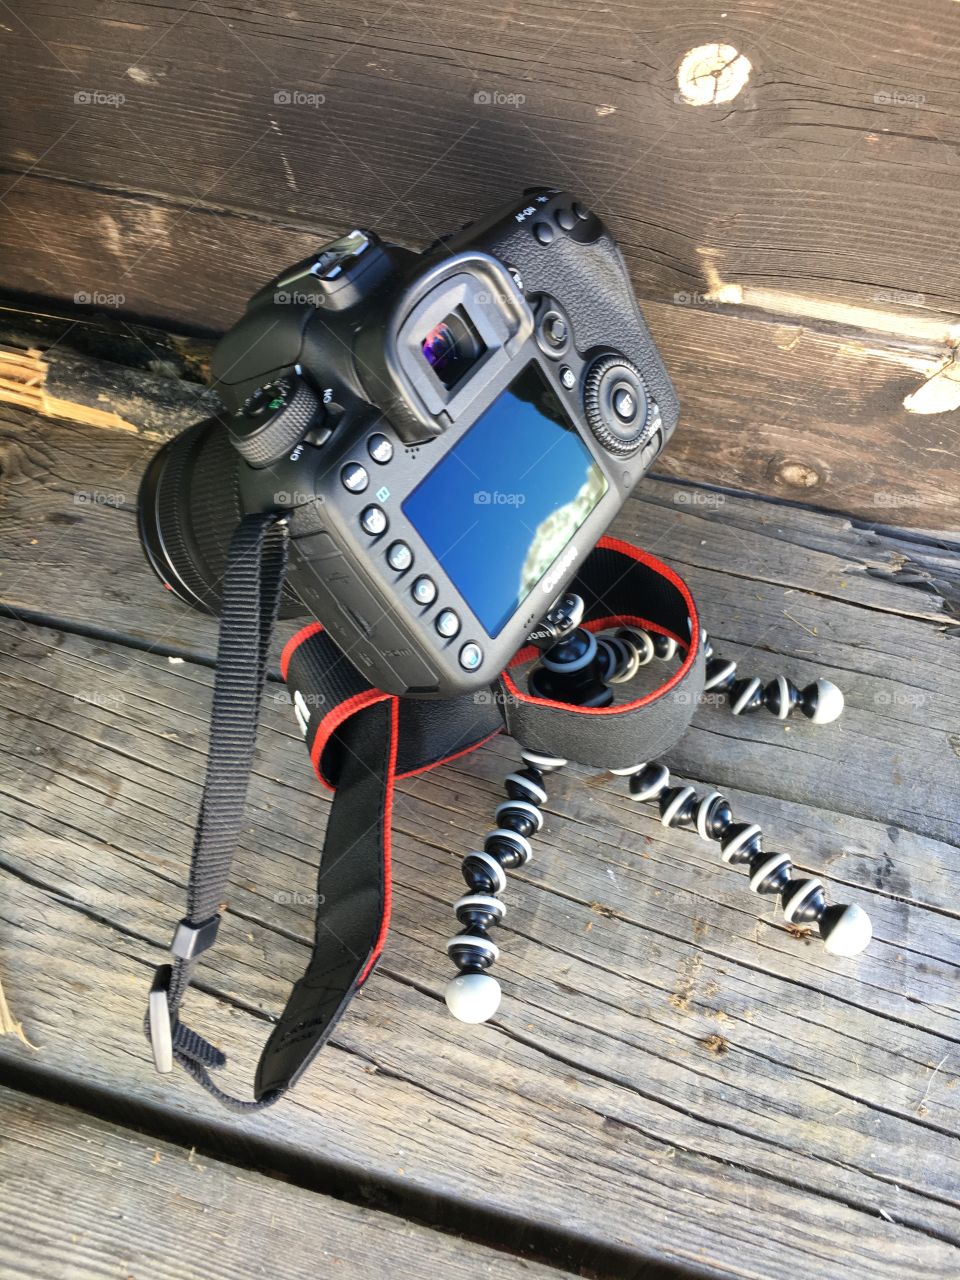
{"points": [[845, 930], [474, 995]]}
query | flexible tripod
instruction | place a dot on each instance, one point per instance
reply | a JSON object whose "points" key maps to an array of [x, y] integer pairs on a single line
{"points": [[578, 668]]}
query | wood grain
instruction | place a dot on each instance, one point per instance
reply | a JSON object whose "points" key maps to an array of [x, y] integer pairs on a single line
{"points": [[833, 172], [674, 1084], [197, 1218], [786, 409], [794, 247], [68, 543]]}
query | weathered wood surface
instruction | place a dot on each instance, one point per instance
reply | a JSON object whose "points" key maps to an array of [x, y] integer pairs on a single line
{"points": [[670, 1077], [794, 247], [73, 1185], [792, 409], [833, 171], [664, 1067]]}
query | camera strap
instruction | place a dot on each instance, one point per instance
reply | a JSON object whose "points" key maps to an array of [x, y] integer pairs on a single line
{"points": [[361, 740]]}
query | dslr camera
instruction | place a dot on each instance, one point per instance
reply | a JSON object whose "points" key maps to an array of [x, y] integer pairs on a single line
{"points": [[447, 433]]}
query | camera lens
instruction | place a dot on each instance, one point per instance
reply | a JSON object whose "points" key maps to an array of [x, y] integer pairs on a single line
{"points": [[452, 347], [187, 509]]}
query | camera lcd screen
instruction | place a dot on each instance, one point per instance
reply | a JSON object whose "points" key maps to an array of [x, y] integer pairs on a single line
{"points": [[507, 498]]}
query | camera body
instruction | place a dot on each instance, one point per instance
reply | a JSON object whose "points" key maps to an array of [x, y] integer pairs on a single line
{"points": [[449, 434]]}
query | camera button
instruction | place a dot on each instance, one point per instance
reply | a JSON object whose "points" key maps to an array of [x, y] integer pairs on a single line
{"points": [[471, 656], [625, 403], [424, 590], [354, 477], [447, 624], [617, 404], [566, 219], [373, 520], [568, 377], [555, 330], [399, 557], [379, 448], [580, 212], [544, 232]]}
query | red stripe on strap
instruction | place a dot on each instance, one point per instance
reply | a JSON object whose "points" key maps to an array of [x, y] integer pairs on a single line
{"points": [[335, 718], [294, 643], [387, 853]]}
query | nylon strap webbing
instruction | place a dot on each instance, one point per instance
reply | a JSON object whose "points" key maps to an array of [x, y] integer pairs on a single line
{"points": [[353, 886]]}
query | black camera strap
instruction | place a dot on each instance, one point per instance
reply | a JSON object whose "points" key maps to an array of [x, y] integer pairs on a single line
{"points": [[360, 741], [251, 596]]}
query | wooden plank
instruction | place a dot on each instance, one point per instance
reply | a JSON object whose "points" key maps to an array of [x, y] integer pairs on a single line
{"points": [[830, 174], [809, 416], [87, 1199], [668, 1077], [795, 407]]}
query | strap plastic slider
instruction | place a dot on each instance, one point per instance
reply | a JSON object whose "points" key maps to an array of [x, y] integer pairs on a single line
{"points": [[161, 1033], [191, 940]]}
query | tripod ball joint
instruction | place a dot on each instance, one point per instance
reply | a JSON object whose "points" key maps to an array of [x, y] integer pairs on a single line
{"points": [[578, 667], [821, 701], [473, 997], [845, 929]]}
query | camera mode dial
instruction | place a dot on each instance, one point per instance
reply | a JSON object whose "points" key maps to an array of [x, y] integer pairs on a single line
{"points": [[617, 404], [274, 419]]}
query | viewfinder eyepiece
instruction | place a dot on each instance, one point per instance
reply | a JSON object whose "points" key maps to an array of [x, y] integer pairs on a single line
{"points": [[452, 347]]}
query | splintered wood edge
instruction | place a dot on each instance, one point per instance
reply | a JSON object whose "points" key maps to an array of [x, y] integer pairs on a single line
{"points": [[9, 1026], [23, 379]]}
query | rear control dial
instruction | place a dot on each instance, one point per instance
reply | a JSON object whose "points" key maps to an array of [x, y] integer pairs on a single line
{"points": [[617, 404]]}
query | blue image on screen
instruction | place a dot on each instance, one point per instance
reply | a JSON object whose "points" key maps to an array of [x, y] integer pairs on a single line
{"points": [[507, 498]]}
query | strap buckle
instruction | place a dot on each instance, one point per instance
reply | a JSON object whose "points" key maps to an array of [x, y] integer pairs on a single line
{"points": [[191, 940], [158, 1015]]}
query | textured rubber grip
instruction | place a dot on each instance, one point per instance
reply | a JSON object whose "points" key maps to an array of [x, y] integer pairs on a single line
{"points": [[279, 434]]}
